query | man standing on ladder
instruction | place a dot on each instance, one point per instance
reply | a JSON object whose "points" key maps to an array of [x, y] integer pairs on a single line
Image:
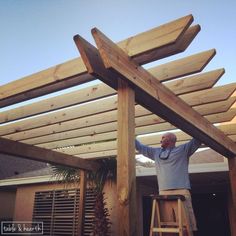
{"points": [[172, 168]]}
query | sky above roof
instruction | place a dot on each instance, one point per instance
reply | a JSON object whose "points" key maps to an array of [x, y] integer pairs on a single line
{"points": [[36, 35]]}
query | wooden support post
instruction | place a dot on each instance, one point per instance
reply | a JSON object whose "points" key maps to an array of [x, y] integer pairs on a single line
{"points": [[232, 215], [126, 179], [82, 198], [232, 176]]}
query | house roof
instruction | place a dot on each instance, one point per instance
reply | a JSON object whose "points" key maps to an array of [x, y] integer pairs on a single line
{"points": [[13, 167]]}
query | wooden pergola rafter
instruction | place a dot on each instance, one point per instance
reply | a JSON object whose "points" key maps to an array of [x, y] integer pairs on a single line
{"points": [[101, 120]]}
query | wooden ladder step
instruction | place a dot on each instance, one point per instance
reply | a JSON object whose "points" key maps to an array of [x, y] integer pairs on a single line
{"points": [[172, 219], [166, 230]]}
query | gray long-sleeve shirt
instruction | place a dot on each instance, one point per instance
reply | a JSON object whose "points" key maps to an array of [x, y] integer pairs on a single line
{"points": [[171, 164]]}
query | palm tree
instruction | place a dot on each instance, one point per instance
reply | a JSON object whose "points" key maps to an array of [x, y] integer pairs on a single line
{"points": [[106, 173]]}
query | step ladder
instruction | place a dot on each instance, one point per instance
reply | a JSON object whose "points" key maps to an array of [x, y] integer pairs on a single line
{"points": [[169, 216]]}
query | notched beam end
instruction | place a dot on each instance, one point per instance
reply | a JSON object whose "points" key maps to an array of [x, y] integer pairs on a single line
{"points": [[168, 50], [211, 53], [100, 38], [92, 60], [84, 47], [188, 37]]}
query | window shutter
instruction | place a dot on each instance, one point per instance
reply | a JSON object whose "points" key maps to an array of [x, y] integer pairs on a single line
{"points": [[58, 210]]}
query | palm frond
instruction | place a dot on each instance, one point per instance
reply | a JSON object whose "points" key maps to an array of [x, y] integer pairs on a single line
{"points": [[106, 173], [66, 174]]}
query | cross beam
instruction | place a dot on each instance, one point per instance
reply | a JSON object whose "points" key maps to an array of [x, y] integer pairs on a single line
{"points": [[149, 91], [165, 40], [160, 100], [18, 149]]}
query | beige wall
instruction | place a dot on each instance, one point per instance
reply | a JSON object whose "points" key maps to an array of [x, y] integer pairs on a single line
{"points": [[25, 201], [7, 204]]}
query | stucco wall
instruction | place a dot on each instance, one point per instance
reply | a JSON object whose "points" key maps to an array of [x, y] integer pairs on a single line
{"points": [[7, 204], [25, 201]]}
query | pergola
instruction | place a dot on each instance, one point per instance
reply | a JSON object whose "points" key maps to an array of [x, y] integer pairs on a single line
{"points": [[101, 120]]}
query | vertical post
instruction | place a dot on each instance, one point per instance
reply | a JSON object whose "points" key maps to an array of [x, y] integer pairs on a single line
{"points": [[232, 178], [126, 176], [232, 215], [82, 195], [232, 197]]}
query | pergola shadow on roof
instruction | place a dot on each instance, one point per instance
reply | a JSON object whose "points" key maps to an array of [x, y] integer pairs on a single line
{"points": [[77, 127]]}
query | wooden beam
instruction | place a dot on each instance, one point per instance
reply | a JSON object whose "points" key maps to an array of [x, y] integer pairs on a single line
{"points": [[153, 127], [160, 100], [107, 131], [104, 136], [113, 152], [180, 45], [126, 177], [232, 176], [215, 107], [232, 212], [71, 113], [215, 94], [82, 199], [61, 121], [105, 122], [222, 117], [181, 86], [183, 138], [181, 67], [73, 72], [53, 79], [58, 102], [111, 145], [102, 153], [166, 34], [228, 129], [195, 83], [27, 151], [22, 132], [98, 155]]}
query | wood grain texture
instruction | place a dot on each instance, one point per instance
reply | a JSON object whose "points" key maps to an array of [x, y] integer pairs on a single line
{"points": [[181, 86], [73, 72], [70, 118], [110, 145], [107, 131], [82, 199], [182, 67], [22, 150], [159, 99], [126, 176]]}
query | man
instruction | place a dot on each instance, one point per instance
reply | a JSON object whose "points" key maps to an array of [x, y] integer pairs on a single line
{"points": [[172, 167]]}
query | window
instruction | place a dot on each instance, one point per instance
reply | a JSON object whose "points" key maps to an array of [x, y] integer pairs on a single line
{"points": [[59, 210]]}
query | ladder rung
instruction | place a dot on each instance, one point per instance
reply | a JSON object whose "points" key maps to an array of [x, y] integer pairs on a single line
{"points": [[166, 230], [169, 224]]}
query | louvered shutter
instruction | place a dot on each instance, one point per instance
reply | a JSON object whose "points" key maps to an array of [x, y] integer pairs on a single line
{"points": [[58, 210]]}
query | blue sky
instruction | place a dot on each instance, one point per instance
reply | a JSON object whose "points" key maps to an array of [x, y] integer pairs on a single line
{"points": [[36, 35]]}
